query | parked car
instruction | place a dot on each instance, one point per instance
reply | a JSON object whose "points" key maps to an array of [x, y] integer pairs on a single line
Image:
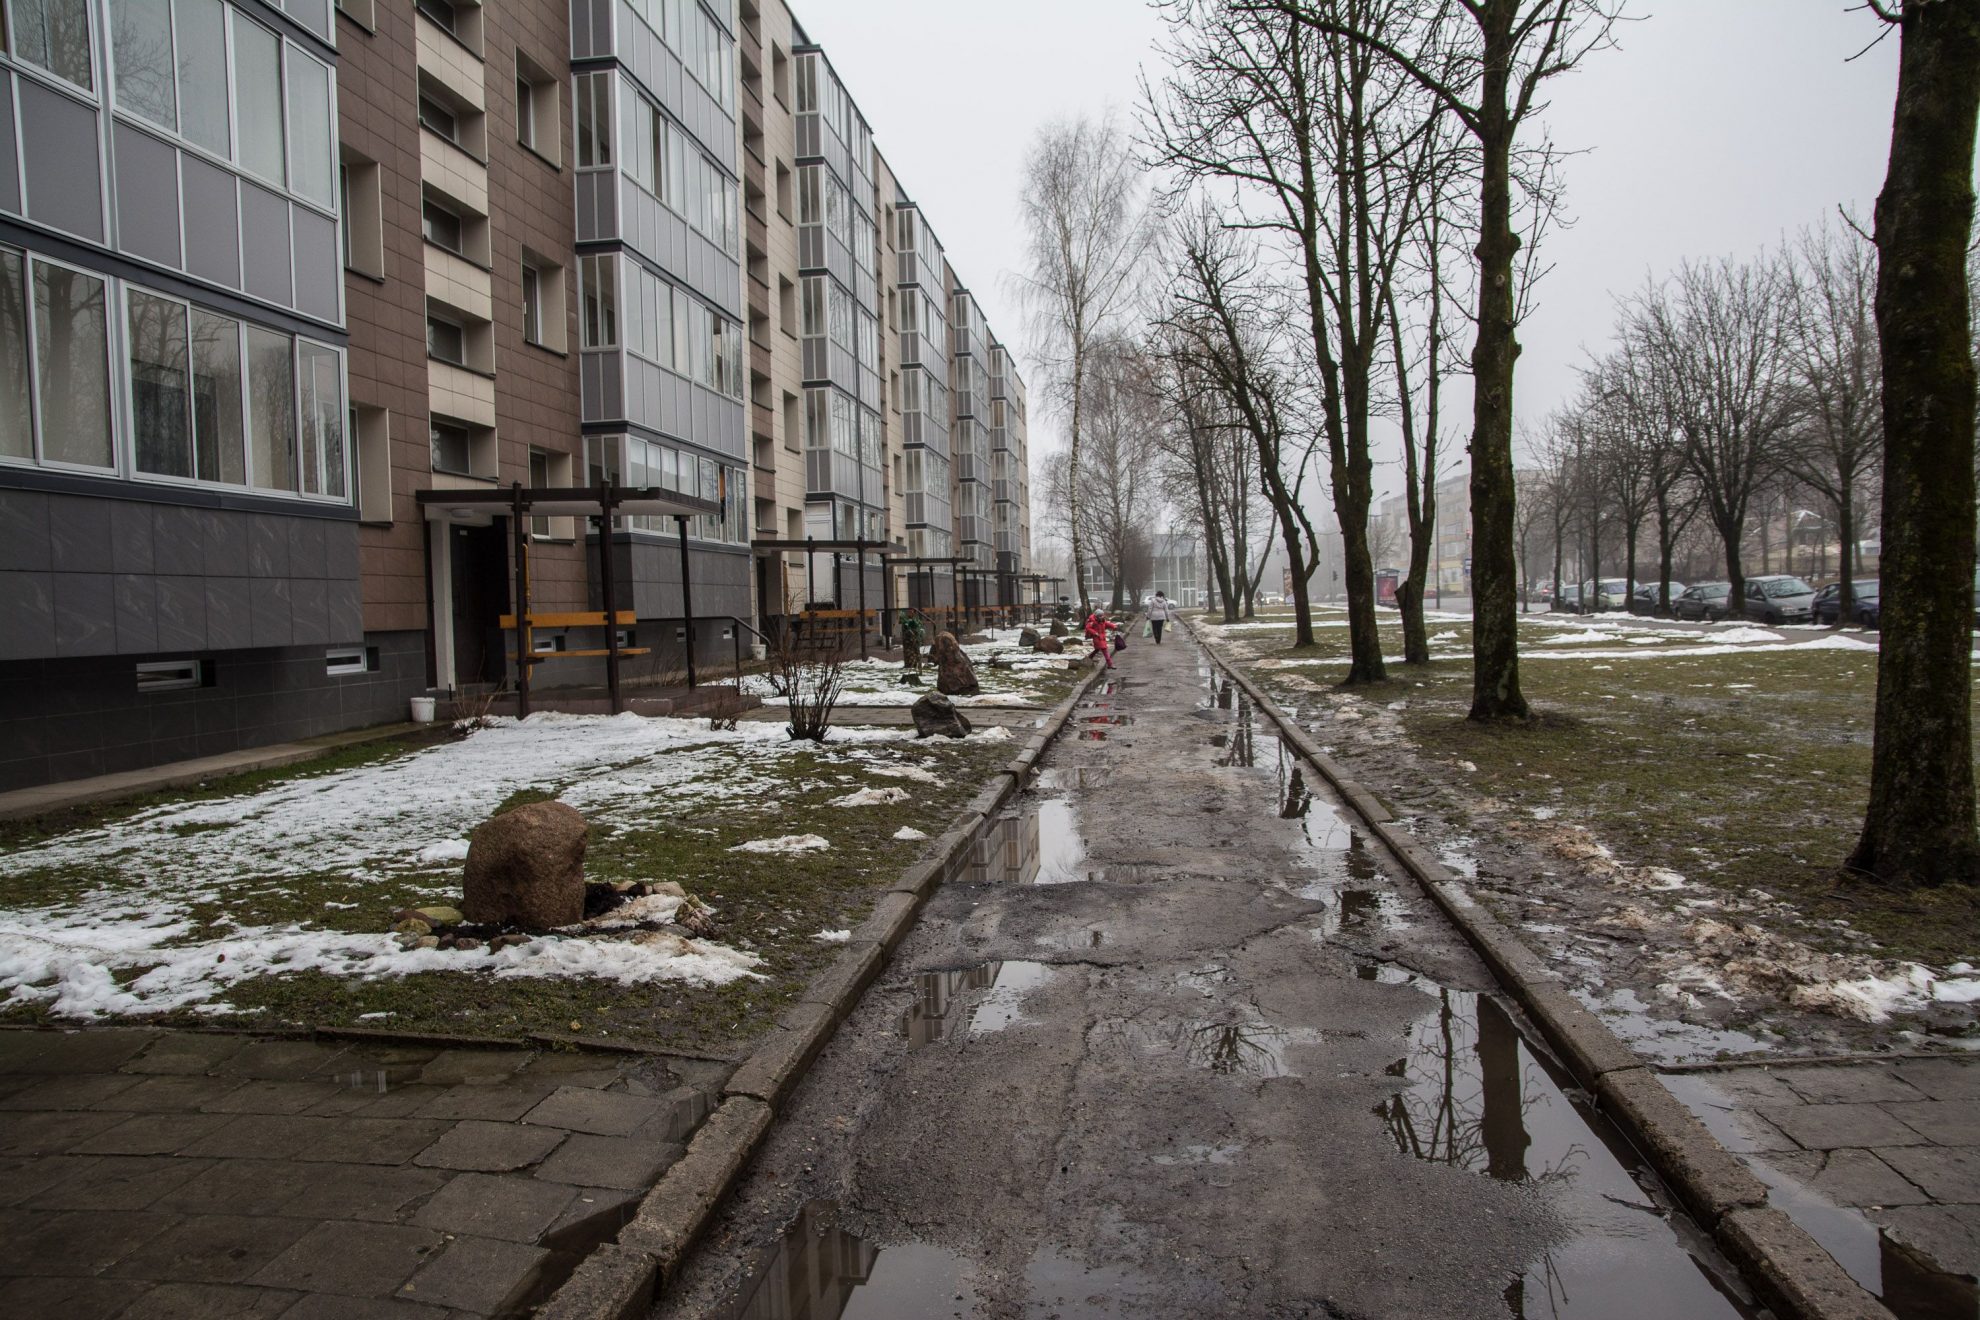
{"points": [[1608, 594], [1569, 601], [1779, 598], [1702, 600], [1644, 599], [1828, 601]]}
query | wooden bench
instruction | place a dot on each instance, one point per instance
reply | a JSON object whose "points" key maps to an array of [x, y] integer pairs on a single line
{"points": [[571, 619]]}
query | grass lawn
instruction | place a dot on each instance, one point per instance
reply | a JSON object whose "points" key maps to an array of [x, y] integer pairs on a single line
{"points": [[265, 899], [1742, 765]]}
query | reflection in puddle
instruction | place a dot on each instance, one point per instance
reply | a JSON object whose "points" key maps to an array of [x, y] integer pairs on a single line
{"points": [[819, 1271], [1472, 1095], [1248, 1049], [1911, 1286], [936, 996], [1661, 1038], [1036, 842], [1062, 1286]]}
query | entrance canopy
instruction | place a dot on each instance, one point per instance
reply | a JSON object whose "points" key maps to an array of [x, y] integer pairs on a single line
{"points": [[565, 501]]}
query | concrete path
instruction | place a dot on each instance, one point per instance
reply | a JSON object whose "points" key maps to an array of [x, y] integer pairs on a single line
{"points": [[1878, 1161], [1182, 1043], [150, 1174]]}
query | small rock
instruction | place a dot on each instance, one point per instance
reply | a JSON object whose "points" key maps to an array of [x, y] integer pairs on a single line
{"points": [[1050, 646], [935, 713], [427, 942], [439, 915], [1058, 628], [1028, 639], [466, 943], [624, 886], [668, 887], [509, 941], [414, 926]]}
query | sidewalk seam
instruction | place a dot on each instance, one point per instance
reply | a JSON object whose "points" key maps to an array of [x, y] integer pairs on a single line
{"points": [[621, 1279], [1787, 1267]]}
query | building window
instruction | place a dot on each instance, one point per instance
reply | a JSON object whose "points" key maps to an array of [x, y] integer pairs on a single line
{"points": [[436, 115], [258, 97], [532, 304], [452, 448], [362, 203], [441, 12], [440, 224], [170, 675], [601, 301], [362, 12], [536, 109], [371, 428], [271, 408], [350, 660], [593, 93], [72, 356], [54, 35], [141, 41], [161, 396], [445, 340]]}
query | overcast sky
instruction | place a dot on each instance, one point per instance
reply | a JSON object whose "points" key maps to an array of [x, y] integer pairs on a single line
{"points": [[1717, 128]]}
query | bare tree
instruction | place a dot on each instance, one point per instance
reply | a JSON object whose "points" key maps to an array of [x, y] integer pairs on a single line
{"points": [[1714, 335], [1232, 330], [1832, 341], [807, 669], [1118, 486], [1920, 826], [1323, 142], [1485, 61], [1086, 236]]}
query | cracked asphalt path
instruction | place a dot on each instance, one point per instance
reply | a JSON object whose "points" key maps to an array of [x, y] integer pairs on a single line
{"points": [[1181, 1042]]}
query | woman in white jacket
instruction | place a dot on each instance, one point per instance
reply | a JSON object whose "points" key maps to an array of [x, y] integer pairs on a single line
{"points": [[1160, 611]]}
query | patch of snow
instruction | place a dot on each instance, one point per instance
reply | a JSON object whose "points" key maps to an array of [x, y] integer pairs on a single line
{"points": [[786, 843], [909, 834], [995, 733], [447, 850], [1741, 634], [833, 936], [871, 797], [914, 772], [651, 907]]}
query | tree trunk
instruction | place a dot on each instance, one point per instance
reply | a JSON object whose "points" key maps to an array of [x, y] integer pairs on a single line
{"points": [[1920, 827], [1666, 543], [1629, 564], [1846, 552], [1731, 533], [1072, 482], [1495, 690]]}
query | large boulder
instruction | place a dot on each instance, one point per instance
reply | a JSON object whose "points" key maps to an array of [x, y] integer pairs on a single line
{"points": [[1028, 639], [1051, 646], [935, 713], [1058, 627], [954, 674], [525, 868]]}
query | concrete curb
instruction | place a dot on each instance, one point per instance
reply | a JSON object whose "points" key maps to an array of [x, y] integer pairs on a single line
{"points": [[1790, 1270], [620, 1280]]}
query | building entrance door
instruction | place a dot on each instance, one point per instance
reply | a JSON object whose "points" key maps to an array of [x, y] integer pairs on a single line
{"points": [[479, 567]]}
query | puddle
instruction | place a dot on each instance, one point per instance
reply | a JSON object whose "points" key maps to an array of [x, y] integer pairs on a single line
{"points": [[1472, 1094], [1062, 1286], [1911, 1286], [937, 996], [819, 1271], [1386, 974], [1037, 842], [1242, 1049], [1664, 1039]]}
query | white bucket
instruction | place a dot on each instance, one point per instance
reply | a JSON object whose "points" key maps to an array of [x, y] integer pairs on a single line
{"points": [[422, 710]]}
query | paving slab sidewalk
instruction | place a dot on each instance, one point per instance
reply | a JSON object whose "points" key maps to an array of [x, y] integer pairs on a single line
{"points": [[149, 1173], [1879, 1160]]}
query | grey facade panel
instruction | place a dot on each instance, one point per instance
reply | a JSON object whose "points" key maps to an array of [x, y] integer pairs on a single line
{"points": [[265, 245], [85, 614], [272, 612], [213, 223], [24, 541], [147, 173], [133, 538], [79, 534], [86, 716], [721, 579], [28, 600], [10, 165], [137, 613], [63, 168], [319, 265], [178, 540], [181, 612], [229, 614]]}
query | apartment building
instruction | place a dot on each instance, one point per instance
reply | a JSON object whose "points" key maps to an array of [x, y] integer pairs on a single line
{"points": [[301, 300], [179, 562]]}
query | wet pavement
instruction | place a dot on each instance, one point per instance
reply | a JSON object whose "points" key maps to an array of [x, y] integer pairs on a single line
{"points": [[147, 1174], [1181, 1041]]}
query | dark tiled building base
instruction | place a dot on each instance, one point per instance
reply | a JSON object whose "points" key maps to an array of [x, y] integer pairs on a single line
{"points": [[75, 717]]}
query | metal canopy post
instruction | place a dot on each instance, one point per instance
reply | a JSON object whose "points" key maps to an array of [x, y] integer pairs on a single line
{"points": [[956, 590], [810, 584], [608, 589], [859, 548], [687, 599], [525, 656]]}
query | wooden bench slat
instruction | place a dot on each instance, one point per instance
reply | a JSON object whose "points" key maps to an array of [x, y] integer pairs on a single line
{"points": [[571, 619]]}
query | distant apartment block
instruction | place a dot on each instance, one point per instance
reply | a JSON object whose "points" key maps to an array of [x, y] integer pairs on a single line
{"points": [[295, 297]]}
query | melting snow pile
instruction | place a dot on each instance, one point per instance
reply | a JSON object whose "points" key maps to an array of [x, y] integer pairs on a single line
{"points": [[785, 843], [870, 797], [148, 941]]}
